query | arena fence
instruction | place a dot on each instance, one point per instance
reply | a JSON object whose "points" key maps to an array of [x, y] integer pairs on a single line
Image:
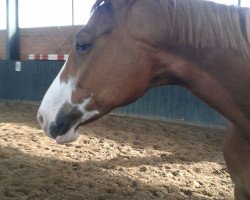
{"points": [[168, 102]]}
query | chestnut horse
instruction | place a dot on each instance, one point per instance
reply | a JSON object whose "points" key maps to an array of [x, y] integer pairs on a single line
{"points": [[130, 46]]}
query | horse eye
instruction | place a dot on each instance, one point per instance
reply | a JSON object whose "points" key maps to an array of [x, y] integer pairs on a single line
{"points": [[82, 47]]}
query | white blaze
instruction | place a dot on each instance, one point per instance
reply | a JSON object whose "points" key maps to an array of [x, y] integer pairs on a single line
{"points": [[57, 95]]}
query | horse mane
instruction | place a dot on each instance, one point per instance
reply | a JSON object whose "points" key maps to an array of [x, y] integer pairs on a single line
{"points": [[203, 24]]}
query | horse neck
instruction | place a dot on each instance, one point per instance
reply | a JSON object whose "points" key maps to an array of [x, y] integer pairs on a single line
{"points": [[221, 79]]}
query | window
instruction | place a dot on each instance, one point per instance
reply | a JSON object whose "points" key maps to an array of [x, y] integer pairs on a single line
{"points": [[245, 3], [40, 13], [82, 10], [227, 2], [2, 14]]}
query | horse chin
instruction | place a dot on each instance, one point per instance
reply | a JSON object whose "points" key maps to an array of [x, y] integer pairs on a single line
{"points": [[70, 136]]}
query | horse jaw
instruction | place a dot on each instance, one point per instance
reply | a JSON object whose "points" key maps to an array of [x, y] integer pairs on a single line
{"points": [[73, 133]]}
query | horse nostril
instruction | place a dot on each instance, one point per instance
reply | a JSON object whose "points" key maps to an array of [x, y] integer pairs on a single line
{"points": [[40, 119]]}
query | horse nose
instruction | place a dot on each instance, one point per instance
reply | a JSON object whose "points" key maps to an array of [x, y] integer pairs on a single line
{"points": [[44, 123], [40, 119], [59, 127]]}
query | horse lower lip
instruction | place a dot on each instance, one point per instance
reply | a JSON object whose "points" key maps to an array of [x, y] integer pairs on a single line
{"points": [[68, 137]]}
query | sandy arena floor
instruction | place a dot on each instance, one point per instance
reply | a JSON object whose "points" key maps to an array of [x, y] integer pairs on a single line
{"points": [[114, 158]]}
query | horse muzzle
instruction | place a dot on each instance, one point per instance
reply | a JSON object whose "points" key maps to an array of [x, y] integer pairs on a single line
{"points": [[61, 124], [64, 126]]}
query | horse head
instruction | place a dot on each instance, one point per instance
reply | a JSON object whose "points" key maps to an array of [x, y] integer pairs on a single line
{"points": [[110, 65]]}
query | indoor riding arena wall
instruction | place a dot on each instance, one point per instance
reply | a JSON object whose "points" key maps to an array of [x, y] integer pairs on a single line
{"points": [[45, 40], [168, 102]]}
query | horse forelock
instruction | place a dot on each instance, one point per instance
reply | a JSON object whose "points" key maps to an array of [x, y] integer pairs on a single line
{"points": [[202, 24]]}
